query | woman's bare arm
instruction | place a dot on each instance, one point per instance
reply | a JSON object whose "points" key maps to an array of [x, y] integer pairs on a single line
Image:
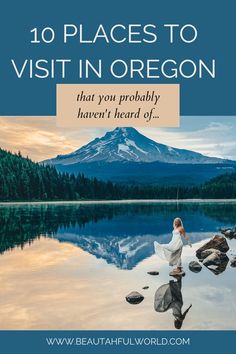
{"points": [[183, 233]]}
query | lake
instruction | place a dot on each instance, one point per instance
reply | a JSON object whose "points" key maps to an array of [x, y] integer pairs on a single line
{"points": [[70, 266]]}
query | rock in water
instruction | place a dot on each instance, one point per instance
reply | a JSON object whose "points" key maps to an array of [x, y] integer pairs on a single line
{"points": [[233, 262], [229, 232], [134, 298], [195, 267], [224, 229], [216, 261], [217, 242], [213, 267], [215, 258], [208, 252], [218, 269], [153, 272]]}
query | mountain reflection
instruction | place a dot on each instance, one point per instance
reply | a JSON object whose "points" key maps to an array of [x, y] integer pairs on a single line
{"points": [[122, 234]]}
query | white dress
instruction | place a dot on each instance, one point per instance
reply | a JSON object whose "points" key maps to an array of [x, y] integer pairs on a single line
{"points": [[171, 251]]}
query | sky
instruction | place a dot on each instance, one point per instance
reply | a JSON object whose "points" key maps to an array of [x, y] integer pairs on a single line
{"points": [[40, 138]]}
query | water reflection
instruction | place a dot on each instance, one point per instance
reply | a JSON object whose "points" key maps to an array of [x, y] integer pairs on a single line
{"points": [[75, 287], [122, 234], [169, 297]]}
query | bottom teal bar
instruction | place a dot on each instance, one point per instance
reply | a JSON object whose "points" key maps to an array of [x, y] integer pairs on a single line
{"points": [[43, 342]]}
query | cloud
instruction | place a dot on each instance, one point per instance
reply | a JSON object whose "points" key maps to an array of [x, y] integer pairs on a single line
{"points": [[211, 136], [37, 138]]}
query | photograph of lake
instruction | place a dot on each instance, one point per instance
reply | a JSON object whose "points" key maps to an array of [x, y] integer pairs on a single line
{"points": [[71, 265]]}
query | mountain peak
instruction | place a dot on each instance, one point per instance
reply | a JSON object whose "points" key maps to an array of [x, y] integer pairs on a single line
{"points": [[125, 130], [122, 131]]}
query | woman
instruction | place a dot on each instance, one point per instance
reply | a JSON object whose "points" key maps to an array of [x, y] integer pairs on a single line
{"points": [[173, 250]]}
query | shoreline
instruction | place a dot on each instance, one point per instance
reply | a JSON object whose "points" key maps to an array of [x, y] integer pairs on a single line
{"points": [[125, 201]]}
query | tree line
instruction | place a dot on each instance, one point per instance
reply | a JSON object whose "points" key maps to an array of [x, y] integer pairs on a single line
{"points": [[24, 180]]}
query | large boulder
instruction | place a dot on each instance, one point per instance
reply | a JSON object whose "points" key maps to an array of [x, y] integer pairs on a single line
{"points": [[134, 298], [206, 253], [217, 269], [215, 258], [217, 242], [216, 261], [195, 267]]}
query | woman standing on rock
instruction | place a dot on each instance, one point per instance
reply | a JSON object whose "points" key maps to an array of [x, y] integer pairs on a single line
{"points": [[172, 251]]}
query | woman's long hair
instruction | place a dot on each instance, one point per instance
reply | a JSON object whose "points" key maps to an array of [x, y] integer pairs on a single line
{"points": [[177, 223]]}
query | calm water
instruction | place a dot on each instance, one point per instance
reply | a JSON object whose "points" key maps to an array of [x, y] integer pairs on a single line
{"points": [[70, 266]]}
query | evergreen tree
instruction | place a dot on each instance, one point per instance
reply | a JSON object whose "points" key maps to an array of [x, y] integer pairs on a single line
{"points": [[23, 180]]}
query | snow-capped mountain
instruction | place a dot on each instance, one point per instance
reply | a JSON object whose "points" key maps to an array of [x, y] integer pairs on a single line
{"points": [[128, 145], [126, 156]]}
